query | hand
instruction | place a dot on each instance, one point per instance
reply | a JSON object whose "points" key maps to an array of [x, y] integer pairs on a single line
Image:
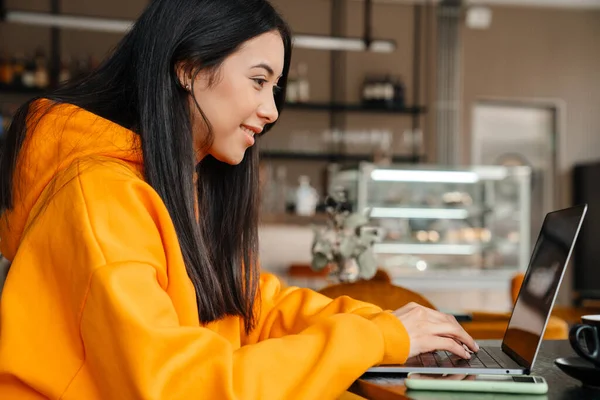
{"points": [[431, 330]]}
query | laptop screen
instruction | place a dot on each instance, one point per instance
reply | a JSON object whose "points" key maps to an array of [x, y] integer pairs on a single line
{"points": [[541, 282]]}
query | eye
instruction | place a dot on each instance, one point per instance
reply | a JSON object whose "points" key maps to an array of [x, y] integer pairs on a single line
{"points": [[259, 81]]}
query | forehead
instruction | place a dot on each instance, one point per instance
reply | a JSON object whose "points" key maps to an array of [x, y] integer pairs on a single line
{"points": [[266, 48]]}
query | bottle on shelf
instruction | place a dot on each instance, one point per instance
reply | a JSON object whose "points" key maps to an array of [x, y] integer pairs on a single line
{"points": [[64, 74], [42, 77], [18, 67], [292, 87], [303, 84], [6, 70], [367, 90], [374, 91], [388, 91], [28, 74], [25, 70], [306, 197], [383, 91]]}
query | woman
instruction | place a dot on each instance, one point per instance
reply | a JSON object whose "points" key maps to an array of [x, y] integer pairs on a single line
{"points": [[129, 212]]}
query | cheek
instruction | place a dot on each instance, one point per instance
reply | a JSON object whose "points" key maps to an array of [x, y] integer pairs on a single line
{"points": [[238, 109], [227, 106]]}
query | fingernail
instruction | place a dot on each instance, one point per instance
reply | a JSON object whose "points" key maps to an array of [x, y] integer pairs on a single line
{"points": [[477, 346], [468, 355]]}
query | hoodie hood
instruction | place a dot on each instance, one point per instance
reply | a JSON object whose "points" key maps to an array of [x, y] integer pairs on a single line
{"points": [[57, 136]]}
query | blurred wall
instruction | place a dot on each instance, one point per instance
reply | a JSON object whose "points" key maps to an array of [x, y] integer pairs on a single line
{"points": [[540, 53], [548, 54]]}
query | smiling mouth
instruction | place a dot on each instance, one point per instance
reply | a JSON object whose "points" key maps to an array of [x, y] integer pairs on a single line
{"points": [[249, 135], [248, 131]]}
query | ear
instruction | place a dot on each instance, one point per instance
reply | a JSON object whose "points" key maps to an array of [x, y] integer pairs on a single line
{"points": [[182, 70]]}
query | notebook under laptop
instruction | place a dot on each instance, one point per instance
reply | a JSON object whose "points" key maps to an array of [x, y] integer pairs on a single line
{"points": [[530, 314]]}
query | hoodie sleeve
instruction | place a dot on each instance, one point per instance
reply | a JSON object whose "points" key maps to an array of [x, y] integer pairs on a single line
{"points": [[135, 348], [136, 345], [289, 310]]}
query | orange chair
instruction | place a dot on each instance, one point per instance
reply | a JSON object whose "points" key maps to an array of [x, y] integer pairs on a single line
{"points": [[515, 285], [485, 325], [493, 325], [557, 328], [378, 291]]}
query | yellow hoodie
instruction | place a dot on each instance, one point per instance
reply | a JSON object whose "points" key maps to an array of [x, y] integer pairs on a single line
{"points": [[98, 304]]}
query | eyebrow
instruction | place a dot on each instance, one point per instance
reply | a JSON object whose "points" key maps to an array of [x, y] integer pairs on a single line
{"points": [[266, 67]]}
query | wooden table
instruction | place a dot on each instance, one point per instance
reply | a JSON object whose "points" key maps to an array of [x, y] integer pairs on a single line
{"points": [[561, 386]]}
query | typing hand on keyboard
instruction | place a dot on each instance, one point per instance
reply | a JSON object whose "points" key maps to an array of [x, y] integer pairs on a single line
{"points": [[431, 330]]}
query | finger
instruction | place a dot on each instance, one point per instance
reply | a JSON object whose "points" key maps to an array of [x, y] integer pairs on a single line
{"points": [[468, 341], [465, 338], [459, 340], [456, 332], [468, 349], [448, 344], [464, 346]]}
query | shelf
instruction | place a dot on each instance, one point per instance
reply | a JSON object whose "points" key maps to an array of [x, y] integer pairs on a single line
{"points": [[16, 90], [441, 248], [293, 219], [285, 155], [459, 213], [427, 248], [19, 90], [354, 108]]}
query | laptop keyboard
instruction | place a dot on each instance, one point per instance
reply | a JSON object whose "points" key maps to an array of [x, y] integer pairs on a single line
{"points": [[485, 358]]}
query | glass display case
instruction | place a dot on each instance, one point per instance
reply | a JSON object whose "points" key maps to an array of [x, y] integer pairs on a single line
{"points": [[444, 219]]}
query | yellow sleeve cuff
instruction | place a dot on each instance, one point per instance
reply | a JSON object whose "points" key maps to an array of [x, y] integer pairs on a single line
{"points": [[395, 337]]}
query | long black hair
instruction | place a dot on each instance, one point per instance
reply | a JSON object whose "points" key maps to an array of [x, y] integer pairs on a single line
{"points": [[138, 88]]}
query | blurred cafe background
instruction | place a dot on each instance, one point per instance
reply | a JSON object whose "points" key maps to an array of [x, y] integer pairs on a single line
{"points": [[458, 124]]}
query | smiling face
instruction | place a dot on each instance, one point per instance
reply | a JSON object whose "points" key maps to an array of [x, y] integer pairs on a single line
{"points": [[240, 101]]}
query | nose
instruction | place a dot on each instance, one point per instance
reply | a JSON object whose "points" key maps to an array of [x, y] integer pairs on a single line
{"points": [[268, 110]]}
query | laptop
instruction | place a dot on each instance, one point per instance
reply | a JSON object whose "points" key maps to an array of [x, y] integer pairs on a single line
{"points": [[531, 311]]}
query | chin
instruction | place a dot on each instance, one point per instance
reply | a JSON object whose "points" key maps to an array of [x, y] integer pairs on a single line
{"points": [[231, 158]]}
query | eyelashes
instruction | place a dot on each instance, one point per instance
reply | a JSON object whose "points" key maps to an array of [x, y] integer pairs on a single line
{"points": [[260, 82]]}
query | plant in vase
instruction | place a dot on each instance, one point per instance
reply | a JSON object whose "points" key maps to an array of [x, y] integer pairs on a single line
{"points": [[346, 243]]}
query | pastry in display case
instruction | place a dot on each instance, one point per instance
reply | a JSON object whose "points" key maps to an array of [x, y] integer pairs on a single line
{"points": [[434, 218]]}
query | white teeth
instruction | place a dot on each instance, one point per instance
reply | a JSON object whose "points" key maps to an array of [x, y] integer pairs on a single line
{"points": [[251, 132]]}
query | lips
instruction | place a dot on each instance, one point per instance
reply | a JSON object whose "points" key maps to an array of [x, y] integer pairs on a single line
{"points": [[248, 130], [249, 134], [252, 129]]}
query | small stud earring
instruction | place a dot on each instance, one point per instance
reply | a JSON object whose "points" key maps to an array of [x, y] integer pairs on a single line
{"points": [[187, 87]]}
